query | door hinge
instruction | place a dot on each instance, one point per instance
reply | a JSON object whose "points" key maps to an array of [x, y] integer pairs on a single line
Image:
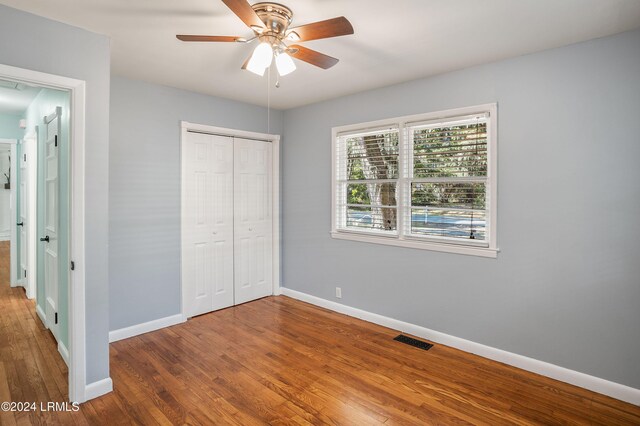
{"points": [[73, 265], [56, 318], [56, 140], [25, 274], [25, 158]]}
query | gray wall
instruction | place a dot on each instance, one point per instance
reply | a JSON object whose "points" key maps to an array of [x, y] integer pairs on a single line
{"points": [[566, 286], [39, 44], [9, 125], [144, 206]]}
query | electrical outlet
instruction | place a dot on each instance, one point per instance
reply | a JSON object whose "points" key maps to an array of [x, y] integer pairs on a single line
{"points": [[338, 292]]}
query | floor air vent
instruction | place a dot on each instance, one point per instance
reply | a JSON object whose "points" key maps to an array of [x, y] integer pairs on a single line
{"points": [[413, 342]]}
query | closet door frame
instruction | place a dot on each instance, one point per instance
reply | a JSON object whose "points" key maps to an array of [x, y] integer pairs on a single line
{"points": [[221, 131]]}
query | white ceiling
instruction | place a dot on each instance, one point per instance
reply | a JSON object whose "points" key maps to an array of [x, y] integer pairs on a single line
{"points": [[14, 101], [394, 41]]}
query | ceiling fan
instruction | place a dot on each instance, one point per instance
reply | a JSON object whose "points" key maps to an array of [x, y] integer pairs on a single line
{"points": [[270, 24]]}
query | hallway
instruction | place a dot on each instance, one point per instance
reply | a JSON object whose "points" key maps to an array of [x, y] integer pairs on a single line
{"points": [[30, 367]]}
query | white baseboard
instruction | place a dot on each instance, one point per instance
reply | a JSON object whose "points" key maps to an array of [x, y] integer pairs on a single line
{"points": [[145, 327], [99, 388], [596, 384], [41, 315], [64, 353]]}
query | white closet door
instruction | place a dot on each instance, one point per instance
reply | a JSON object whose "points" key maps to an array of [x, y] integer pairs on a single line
{"points": [[208, 223], [253, 220]]}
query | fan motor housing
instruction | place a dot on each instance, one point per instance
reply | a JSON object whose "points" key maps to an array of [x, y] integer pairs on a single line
{"points": [[276, 17]]}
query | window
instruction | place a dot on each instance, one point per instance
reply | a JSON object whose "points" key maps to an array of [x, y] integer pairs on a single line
{"points": [[368, 180], [423, 181]]}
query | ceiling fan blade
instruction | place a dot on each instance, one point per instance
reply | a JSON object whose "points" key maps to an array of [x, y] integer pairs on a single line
{"points": [[245, 12], [244, 66], [324, 29], [185, 37], [311, 56]]}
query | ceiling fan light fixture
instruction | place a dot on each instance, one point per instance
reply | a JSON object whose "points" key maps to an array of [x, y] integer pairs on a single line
{"points": [[270, 23], [284, 64], [261, 58], [256, 69]]}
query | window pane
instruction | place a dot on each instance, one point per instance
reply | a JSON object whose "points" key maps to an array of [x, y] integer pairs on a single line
{"points": [[451, 210], [372, 156], [449, 223], [461, 195], [382, 219], [378, 194], [454, 151]]}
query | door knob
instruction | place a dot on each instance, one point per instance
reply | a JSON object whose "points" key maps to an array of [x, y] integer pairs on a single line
{"points": [[45, 239], [20, 224]]}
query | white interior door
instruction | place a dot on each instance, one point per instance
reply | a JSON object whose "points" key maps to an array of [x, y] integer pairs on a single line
{"points": [[51, 219], [253, 224], [30, 177], [23, 221], [207, 223]]}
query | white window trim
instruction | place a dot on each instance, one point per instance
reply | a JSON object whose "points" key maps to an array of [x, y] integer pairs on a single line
{"points": [[417, 242]]}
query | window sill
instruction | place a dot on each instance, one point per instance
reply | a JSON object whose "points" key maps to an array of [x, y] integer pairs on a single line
{"points": [[422, 245]]}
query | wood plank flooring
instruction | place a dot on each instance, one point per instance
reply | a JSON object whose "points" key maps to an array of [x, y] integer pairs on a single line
{"points": [[280, 361], [30, 367]]}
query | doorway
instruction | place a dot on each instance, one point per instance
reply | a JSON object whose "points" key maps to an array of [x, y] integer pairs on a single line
{"points": [[230, 217], [6, 195], [35, 168], [47, 222]]}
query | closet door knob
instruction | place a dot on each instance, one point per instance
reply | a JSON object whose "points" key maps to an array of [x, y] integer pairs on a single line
{"points": [[45, 239]]}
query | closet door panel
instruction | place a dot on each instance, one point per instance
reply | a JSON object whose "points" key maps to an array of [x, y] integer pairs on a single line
{"points": [[253, 220], [223, 216], [208, 230]]}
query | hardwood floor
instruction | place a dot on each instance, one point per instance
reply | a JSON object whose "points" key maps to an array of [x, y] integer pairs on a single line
{"points": [[281, 361], [30, 367]]}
